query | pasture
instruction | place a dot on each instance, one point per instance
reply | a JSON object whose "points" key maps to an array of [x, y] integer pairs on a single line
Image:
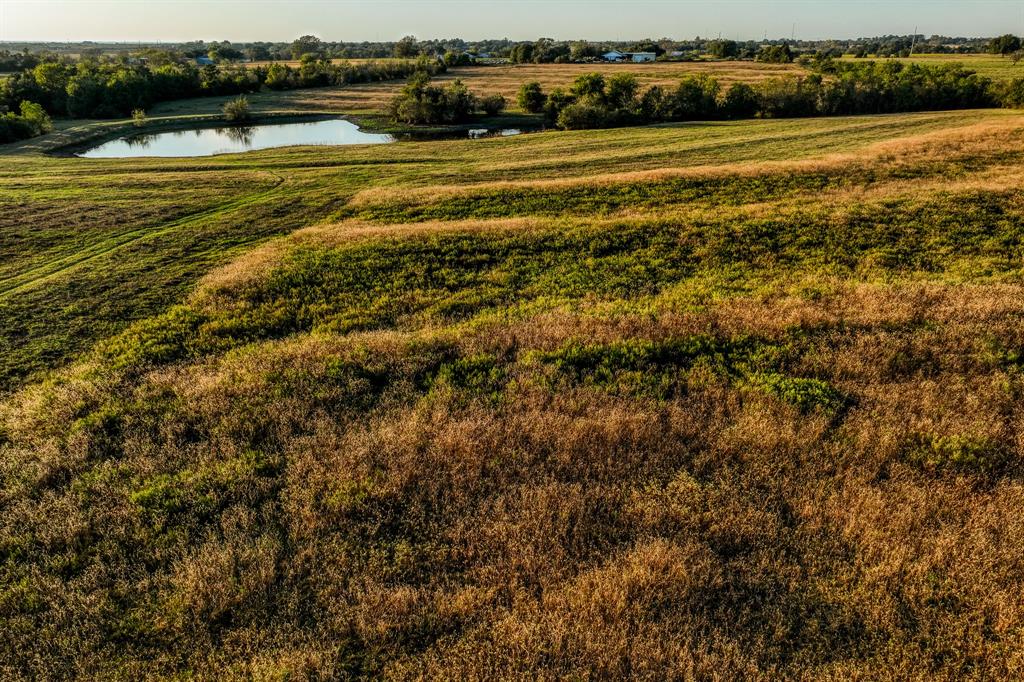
{"points": [[738, 399], [483, 80], [991, 66]]}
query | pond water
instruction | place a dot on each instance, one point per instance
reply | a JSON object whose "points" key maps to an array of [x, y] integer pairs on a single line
{"points": [[227, 140], [233, 139]]}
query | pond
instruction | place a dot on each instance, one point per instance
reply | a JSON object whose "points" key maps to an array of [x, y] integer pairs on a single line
{"points": [[206, 141], [228, 140]]}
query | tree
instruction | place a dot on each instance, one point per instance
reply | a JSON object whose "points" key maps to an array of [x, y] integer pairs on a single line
{"points": [[492, 105], [696, 98], [278, 77], [1004, 44], [775, 54], [306, 45], [421, 102], [258, 53], [85, 93], [621, 91], [406, 47], [531, 98], [522, 53], [36, 118], [581, 50], [648, 46], [740, 101], [724, 49], [590, 87], [581, 116]]}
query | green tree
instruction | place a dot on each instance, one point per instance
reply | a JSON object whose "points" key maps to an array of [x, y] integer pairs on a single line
{"points": [[1004, 44], [492, 105], [36, 118], [621, 91], [581, 50], [775, 54], [724, 49], [740, 101], [696, 98], [583, 116], [278, 77], [406, 47], [531, 98], [306, 45], [589, 87]]}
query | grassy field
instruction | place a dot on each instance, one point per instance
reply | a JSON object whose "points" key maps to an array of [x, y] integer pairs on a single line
{"points": [[992, 66], [737, 399], [482, 80]]}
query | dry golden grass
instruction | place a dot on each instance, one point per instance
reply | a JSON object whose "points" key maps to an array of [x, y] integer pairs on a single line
{"points": [[483, 80], [767, 429]]}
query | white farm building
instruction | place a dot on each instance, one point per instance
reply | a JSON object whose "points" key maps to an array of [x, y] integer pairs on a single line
{"points": [[637, 57]]}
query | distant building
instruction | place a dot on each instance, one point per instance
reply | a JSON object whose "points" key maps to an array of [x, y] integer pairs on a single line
{"points": [[203, 61], [637, 57]]}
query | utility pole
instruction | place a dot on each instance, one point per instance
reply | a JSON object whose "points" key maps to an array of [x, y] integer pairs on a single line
{"points": [[913, 42]]}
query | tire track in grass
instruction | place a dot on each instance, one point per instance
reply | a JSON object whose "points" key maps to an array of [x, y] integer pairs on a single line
{"points": [[41, 274]]}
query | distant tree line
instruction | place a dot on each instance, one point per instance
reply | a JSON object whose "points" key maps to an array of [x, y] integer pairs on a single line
{"points": [[542, 50], [421, 102], [17, 61], [115, 88], [313, 72], [837, 88]]}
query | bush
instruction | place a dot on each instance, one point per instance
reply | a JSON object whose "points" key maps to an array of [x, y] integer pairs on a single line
{"points": [[492, 105], [740, 101], [582, 116], [237, 109], [423, 103], [531, 98], [775, 54], [31, 122], [696, 98], [138, 118], [36, 119], [1011, 93]]}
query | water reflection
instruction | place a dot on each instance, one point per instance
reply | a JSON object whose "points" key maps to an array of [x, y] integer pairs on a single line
{"points": [[243, 135], [231, 139]]}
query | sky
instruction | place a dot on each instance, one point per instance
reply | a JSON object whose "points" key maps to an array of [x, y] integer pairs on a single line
{"points": [[356, 20]]}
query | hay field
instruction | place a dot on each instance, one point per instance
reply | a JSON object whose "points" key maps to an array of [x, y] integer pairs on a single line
{"points": [[483, 80], [739, 400], [992, 66]]}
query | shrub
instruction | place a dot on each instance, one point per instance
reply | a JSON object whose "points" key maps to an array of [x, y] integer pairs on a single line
{"points": [[237, 109], [531, 98], [35, 117], [420, 102], [31, 122], [775, 54], [492, 105], [696, 98], [965, 454], [138, 117], [582, 116], [740, 101]]}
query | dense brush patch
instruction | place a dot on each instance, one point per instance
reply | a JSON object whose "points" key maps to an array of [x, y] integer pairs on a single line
{"points": [[775, 435]]}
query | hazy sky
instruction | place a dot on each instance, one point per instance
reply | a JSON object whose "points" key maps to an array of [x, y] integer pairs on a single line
{"points": [[278, 20]]}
